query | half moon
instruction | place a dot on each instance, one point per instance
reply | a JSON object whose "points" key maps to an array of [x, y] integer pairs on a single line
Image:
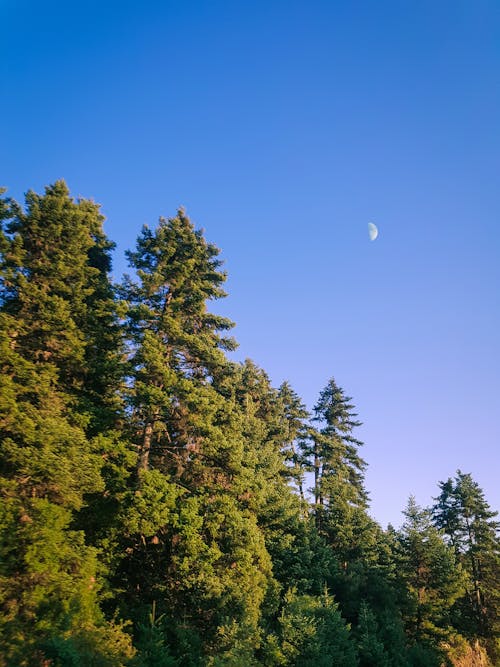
{"points": [[372, 231]]}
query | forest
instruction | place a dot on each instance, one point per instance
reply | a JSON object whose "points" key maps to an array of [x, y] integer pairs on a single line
{"points": [[162, 505]]}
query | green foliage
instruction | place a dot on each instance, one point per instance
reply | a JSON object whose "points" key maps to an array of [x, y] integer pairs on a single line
{"points": [[55, 264], [469, 526], [151, 643], [91, 646], [153, 508], [338, 468], [312, 632], [175, 345], [371, 652], [431, 575], [49, 585], [295, 432], [50, 460], [421, 655]]}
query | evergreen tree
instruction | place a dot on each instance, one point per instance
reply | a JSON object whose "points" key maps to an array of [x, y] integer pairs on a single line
{"points": [[175, 342], [144, 476], [190, 528], [56, 266], [432, 577], [371, 652], [295, 435], [312, 633], [49, 578], [338, 468], [264, 474], [339, 493], [468, 523]]}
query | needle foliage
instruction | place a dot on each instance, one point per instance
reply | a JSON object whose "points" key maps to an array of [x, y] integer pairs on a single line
{"points": [[164, 505]]}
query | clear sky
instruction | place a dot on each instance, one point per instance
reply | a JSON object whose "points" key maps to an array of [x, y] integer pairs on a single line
{"points": [[284, 127]]}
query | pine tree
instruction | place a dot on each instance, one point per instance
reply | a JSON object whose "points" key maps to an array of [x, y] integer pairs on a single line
{"points": [[295, 434], [338, 468], [58, 292], [175, 342], [432, 577], [156, 481], [371, 651], [56, 266], [468, 523], [49, 577], [264, 427], [313, 633], [339, 493], [190, 528]]}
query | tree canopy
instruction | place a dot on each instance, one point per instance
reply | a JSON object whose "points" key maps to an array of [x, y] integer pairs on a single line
{"points": [[164, 505]]}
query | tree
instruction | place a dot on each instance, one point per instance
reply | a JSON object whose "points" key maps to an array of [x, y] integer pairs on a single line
{"points": [[144, 476], [468, 523], [64, 317], [338, 468], [295, 434], [339, 493], [431, 575], [191, 530], [49, 463], [312, 633], [176, 347], [55, 270], [371, 650]]}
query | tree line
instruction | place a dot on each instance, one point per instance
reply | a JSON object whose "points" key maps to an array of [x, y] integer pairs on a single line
{"points": [[162, 505]]}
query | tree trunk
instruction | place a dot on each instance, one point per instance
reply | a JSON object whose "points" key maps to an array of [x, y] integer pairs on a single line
{"points": [[147, 439], [143, 463], [477, 600]]}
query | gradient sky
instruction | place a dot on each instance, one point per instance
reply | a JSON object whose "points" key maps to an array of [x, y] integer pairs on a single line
{"points": [[284, 127]]}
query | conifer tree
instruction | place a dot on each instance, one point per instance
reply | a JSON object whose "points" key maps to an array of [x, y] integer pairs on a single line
{"points": [[339, 493], [56, 267], [468, 523], [371, 652], [313, 633], [58, 293], [295, 434], [338, 468], [190, 528], [264, 427], [144, 476], [432, 577], [176, 345], [49, 577]]}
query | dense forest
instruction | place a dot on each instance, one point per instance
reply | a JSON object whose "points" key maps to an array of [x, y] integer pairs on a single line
{"points": [[162, 505]]}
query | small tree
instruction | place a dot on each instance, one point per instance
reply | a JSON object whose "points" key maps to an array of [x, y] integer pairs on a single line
{"points": [[371, 652], [313, 633]]}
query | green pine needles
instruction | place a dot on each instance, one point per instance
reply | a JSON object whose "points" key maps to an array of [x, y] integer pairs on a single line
{"points": [[163, 505]]}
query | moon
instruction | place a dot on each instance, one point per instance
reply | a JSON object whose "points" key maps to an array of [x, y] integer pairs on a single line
{"points": [[372, 231]]}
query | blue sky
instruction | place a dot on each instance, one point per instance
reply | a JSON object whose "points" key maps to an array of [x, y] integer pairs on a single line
{"points": [[284, 127]]}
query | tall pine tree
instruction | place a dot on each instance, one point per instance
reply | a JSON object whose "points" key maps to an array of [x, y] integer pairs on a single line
{"points": [[191, 536], [50, 462], [468, 523], [175, 342]]}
